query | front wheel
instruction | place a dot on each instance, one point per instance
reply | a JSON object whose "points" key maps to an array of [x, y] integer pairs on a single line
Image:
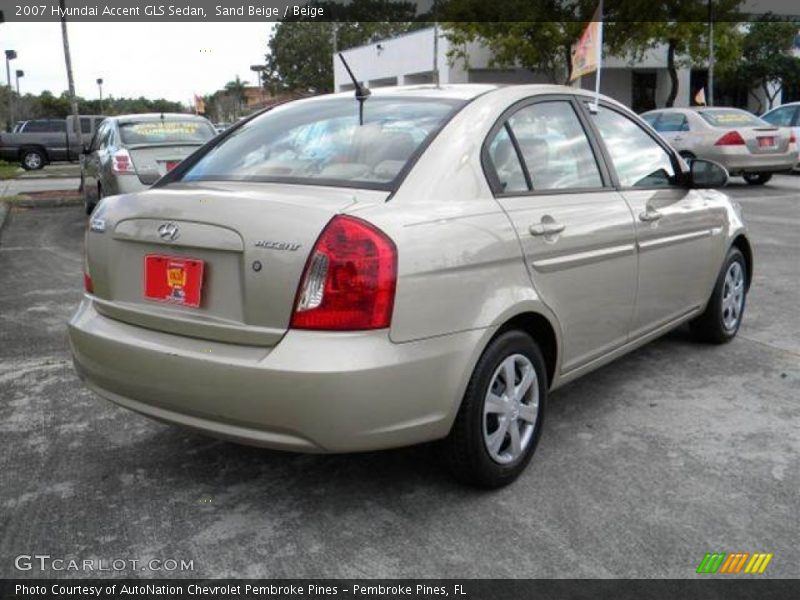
{"points": [[723, 315], [757, 178], [498, 425]]}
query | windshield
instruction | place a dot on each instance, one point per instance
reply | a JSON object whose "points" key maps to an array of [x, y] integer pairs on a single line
{"points": [[321, 142], [166, 132], [731, 118]]}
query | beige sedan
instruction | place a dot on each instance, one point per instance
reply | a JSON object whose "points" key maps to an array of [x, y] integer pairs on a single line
{"points": [[309, 283], [738, 140]]}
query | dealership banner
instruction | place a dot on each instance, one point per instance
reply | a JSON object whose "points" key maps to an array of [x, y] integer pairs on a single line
{"points": [[424, 589], [345, 10]]}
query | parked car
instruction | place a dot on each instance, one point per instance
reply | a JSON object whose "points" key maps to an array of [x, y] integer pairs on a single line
{"points": [[787, 115], [38, 142], [131, 152], [313, 284], [738, 140]]}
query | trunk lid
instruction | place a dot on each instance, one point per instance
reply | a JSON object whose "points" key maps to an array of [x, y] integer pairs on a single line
{"points": [[154, 161], [253, 239], [765, 140]]}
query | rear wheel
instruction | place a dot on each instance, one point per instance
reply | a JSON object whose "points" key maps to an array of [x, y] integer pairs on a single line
{"points": [[757, 178], [32, 160], [723, 315], [90, 204], [500, 419]]}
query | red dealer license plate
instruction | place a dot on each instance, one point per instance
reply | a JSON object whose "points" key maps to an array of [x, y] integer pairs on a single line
{"points": [[766, 142], [172, 279]]}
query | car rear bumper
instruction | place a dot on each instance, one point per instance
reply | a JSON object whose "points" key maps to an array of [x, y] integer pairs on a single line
{"points": [[740, 160], [313, 392]]}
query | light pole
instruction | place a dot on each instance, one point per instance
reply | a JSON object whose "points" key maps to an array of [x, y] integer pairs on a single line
{"points": [[100, 87], [259, 70], [710, 55], [10, 55], [20, 73]]}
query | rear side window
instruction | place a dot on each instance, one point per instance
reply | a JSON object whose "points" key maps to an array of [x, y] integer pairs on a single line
{"points": [[672, 122], [781, 117], [86, 125], [322, 142], [731, 118], [638, 159], [46, 126], [166, 132], [506, 163], [651, 118]]}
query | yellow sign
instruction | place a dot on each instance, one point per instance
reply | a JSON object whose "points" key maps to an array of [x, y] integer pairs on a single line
{"points": [[176, 277]]}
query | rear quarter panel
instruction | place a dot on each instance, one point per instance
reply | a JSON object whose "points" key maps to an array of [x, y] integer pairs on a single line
{"points": [[460, 264]]}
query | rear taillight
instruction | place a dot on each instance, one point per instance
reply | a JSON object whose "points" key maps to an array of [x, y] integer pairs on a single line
{"points": [[121, 162], [349, 280], [792, 138], [87, 283], [732, 138]]}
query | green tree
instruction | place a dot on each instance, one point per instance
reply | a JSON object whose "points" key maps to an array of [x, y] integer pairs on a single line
{"points": [[767, 60], [235, 90], [299, 56], [539, 35]]}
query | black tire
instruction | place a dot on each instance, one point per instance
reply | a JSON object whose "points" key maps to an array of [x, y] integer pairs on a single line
{"points": [[465, 450], [88, 204], [33, 160], [757, 178], [711, 325]]}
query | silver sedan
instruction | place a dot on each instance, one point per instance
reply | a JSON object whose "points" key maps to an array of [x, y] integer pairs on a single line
{"points": [[129, 153], [738, 140]]}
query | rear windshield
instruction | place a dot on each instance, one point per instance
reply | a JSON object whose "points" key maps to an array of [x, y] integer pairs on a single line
{"points": [[166, 132], [321, 142], [731, 118]]}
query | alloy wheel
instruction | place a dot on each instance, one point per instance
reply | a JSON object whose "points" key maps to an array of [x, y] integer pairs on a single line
{"points": [[733, 296], [510, 409]]}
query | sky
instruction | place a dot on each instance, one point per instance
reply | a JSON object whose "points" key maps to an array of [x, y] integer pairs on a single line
{"points": [[155, 60]]}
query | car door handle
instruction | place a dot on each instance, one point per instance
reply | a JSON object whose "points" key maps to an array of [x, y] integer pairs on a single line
{"points": [[650, 215], [546, 228]]}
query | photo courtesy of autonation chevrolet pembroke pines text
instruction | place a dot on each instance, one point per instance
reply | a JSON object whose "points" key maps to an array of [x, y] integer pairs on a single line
{"points": [[378, 299]]}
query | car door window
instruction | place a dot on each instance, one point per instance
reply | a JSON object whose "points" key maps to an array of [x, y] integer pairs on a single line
{"points": [[638, 159], [505, 160], [554, 147], [651, 118], [672, 123], [781, 117]]}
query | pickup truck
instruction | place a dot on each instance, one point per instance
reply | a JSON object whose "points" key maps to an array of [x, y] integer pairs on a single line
{"points": [[41, 141]]}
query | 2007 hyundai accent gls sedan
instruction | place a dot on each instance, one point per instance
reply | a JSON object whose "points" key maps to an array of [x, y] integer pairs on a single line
{"points": [[311, 283]]}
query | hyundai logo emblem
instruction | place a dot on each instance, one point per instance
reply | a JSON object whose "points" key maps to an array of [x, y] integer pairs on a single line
{"points": [[168, 231]]}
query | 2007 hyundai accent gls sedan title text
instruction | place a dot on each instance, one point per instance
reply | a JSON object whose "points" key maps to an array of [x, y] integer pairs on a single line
{"points": [[311, 283]]}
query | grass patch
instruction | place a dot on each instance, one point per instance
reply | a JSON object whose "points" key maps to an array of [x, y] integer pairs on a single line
{"points": [[9, 170], [14, 199]]}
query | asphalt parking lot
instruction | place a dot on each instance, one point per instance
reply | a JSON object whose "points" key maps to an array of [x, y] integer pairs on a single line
{"points": [[645, 465]]}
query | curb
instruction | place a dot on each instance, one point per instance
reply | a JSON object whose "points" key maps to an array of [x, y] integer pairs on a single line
{"points": [[53, 202], [4, 211]]}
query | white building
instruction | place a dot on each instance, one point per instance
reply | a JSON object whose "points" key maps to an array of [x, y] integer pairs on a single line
{"points": [[409, 59]]}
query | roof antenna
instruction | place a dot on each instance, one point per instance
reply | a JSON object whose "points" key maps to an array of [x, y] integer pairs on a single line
{"points": [[362, 91]]}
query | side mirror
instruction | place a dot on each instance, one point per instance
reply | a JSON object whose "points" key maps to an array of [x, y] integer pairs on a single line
{"points": [[705, 174]]}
